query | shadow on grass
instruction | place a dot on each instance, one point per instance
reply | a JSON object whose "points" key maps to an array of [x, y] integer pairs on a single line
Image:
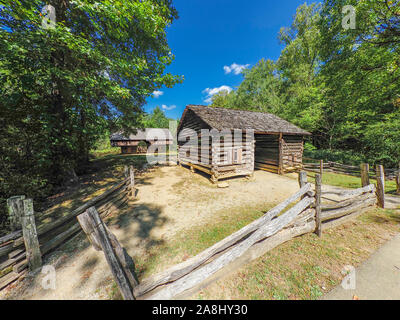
{"points": [[100, 176], [383, 216]]}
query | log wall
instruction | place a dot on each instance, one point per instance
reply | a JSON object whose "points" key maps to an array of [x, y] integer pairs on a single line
{"points": [[278, 153], [213, 157]]}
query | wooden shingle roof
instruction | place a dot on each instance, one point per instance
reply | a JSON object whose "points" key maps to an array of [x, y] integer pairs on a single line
{"points": [[260, 122]]}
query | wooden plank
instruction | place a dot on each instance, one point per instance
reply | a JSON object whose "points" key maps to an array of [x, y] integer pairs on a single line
{"points": [[42, 229], [6, 249], [280, 170], [132, 181], [189, 265], [126, 261], [11, 236], [380, 185], [15, 210], [302, 178], [15, 253], [342, 204], [202, 273], [257, 250], [364, 174], [337, 213], [59, 239], [91, 222], [351, 193], [12, 261], [318, 187], [10, 278], [33, 254], [337, 222]]}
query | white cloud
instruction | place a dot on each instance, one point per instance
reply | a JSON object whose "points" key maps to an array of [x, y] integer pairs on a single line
{"points": [[165, 107], [157, 94], [210, 92], [235, 68]]}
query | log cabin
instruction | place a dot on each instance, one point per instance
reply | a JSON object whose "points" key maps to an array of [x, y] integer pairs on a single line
{"points": [[139, 142], [226, 143]]}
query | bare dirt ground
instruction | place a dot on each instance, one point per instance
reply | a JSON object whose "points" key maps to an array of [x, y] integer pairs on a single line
{"points": [[169, 200]]}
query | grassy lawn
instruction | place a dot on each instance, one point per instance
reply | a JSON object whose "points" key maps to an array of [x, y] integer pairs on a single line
{"points": [[307, 267], [197, 239], [346, 181], [303, 268]]}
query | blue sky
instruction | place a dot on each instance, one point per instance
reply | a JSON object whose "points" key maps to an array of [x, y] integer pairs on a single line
{"points": [[210, 35]]}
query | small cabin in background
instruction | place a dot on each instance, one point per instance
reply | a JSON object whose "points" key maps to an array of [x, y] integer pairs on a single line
{"points": [[138, 143], [268, 142]]}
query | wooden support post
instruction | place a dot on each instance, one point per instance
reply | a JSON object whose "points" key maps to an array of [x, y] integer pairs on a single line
{"points": [[380, 185], [15, 210], [321, 167], [302, 178], [132, 181], [398, 181], [280, 169], [318, 191], [364, 174], [33, 254], [101, 238]]}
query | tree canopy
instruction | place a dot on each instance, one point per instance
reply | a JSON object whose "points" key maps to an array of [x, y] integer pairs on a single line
{"points": [[341, 84], [63, 86]]}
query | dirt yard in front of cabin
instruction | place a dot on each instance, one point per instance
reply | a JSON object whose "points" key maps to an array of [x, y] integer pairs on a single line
{"points": [[170, 200]]}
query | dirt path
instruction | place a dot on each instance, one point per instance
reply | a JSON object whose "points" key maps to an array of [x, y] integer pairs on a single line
{"points": [[170, 199], [376, 279]]}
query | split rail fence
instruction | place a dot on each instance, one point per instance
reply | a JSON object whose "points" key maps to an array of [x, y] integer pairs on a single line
{"points": [[303, 212], [23, 248], [363, 171]]}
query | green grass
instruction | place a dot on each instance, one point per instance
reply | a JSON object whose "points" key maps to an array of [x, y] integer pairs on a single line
{"points": [[193, 241], [346, 181], [307, 267], [304, 268]]}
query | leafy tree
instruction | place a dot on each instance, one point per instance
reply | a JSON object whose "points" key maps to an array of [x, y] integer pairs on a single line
{"points": [[156, 119], [259, 90], [63, 87], [361, 72], [342, 85], [298, 66], [223, 99]]}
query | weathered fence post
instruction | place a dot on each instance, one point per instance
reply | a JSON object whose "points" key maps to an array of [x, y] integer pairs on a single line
{"points": [[380, 185], [15, 209], [302, 178], [321, 167], [132, 181], [318, 192], [398, 182], [364, 174], [126, 172], [33, 254], [117, 259]]}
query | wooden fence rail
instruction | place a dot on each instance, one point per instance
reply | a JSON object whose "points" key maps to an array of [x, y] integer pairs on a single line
{"points": [[306, 214], [355, 171], [301, 213], [24, 248]]}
